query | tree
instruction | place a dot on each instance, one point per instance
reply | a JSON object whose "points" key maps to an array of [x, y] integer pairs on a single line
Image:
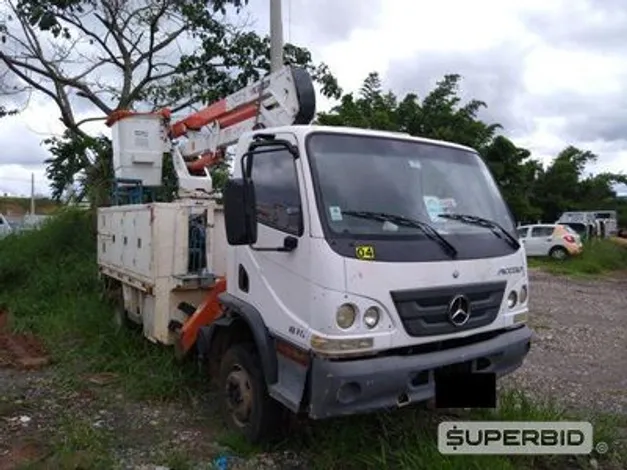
{"points": [[103, 55], [371, 110], [8, 90], [532, 192], [515, 172], [563, 186], [440, 115]]}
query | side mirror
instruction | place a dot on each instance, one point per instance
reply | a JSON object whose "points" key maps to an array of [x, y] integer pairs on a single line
{"points": [[240, 213]]}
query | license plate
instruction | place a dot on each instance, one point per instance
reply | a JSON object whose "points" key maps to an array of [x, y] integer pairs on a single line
{"points": [[458, 387]]}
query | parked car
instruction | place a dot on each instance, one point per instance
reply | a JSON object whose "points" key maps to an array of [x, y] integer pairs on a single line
{"points": [[5, 227], [583, 230], [554, 240]]}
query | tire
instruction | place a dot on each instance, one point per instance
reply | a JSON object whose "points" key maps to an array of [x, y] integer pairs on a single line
{"points": [[558, 252], [248, 408]]}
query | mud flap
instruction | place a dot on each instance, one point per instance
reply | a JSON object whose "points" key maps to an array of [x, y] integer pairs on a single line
{"points": [[290, 386]]}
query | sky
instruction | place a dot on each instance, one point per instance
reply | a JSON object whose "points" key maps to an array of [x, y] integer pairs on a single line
{"points": [[552, 72]]}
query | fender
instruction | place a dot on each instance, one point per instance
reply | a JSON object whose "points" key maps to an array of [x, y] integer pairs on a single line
{"points": [[252, 317]]}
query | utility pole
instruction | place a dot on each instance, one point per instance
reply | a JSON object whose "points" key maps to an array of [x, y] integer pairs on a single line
{"points": [[32, 193], [276, 36]]}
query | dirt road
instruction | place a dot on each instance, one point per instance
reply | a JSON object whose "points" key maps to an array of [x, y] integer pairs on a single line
{"points": [[579, 354], [579, 358]]}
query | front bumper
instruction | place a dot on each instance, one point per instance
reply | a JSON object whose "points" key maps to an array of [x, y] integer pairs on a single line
{"points": [[340, 388]]}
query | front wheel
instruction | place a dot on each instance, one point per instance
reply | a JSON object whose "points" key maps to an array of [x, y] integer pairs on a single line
{"points": [[558, 252], [248, 408]]}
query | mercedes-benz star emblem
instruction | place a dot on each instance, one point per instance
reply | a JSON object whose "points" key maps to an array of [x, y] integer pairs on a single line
{"points": [[459, 310]]}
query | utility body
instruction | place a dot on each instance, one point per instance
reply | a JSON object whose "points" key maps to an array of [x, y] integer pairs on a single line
{"points": [[602, 224], [345, 272]]}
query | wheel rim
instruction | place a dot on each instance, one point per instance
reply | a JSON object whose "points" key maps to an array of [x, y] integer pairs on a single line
{"points": [[239, 395], [559, 254]]}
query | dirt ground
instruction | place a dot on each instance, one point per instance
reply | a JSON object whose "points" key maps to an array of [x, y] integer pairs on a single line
{"points": [[579, 353], [579, 358]]}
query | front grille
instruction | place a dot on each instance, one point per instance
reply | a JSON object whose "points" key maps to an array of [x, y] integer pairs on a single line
{"points": [[424, 312]]}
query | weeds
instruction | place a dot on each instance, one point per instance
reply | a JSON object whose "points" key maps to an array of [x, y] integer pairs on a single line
{"points": [[406, 439], [49, 282]]}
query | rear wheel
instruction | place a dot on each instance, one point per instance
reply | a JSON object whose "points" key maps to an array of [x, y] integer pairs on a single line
{"points": [[248, 408], [558, 252]]}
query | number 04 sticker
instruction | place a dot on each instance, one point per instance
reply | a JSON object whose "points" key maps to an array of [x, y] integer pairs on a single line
{"points": [[364, 252]]}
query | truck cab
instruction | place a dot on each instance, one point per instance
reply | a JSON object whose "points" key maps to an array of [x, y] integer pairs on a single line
{"points": [[342, 270], [374, 260]]}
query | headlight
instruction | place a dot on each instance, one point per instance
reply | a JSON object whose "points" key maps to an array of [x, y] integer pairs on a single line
{"points": [[371, 317], [512, 299], [523, 294], [345, 316]]}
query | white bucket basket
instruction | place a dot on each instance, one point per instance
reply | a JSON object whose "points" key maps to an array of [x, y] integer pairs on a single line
{"points": [[139, 142]]}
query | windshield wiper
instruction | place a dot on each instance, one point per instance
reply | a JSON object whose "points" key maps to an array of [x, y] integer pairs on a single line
{"points": [[497, 229], [427, 229]]}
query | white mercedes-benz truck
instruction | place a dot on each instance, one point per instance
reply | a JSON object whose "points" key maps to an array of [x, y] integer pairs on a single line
{"points": [[347, 271]]}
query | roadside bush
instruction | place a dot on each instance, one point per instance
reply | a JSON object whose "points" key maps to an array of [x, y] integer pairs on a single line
{"points": [[62, 250]]}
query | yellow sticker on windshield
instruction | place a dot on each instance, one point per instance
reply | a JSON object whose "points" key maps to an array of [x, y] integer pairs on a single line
{"points": [[364, 252]]}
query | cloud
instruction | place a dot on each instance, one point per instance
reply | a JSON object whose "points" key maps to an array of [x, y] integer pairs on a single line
{"points": [[588, 117], [493, 75], [320, 23], [19, 144], [557, 77], [595, 26], [15, 180], [552, 73]]}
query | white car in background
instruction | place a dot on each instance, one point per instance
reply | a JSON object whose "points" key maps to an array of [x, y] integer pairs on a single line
{"points": [[554, 240], [5, 227]]}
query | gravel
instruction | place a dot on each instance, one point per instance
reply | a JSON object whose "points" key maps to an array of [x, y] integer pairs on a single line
{"points": [[579, 351]]}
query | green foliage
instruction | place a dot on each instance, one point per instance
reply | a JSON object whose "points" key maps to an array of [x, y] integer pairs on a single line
{"points": [[137, 41], [440, 115], [405, 439], [531, 191], [598, 257], [76, 152], [50, 284], [515, 172]]}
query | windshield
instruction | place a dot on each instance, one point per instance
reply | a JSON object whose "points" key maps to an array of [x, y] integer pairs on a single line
{"points": [[419, 181]]}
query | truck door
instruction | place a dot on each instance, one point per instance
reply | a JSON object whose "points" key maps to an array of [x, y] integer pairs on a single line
{"points": [[278, 279]]}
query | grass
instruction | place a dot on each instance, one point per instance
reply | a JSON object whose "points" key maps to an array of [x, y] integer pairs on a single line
{"points": [[406, 439], [49, 282], [598, 257]]}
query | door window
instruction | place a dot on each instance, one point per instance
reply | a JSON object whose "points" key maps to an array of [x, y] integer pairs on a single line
{"points": [[276, 190], [538, 232]]}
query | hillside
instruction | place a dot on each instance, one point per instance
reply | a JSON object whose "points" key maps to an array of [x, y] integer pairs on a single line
{"points": [[18, 206]]}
